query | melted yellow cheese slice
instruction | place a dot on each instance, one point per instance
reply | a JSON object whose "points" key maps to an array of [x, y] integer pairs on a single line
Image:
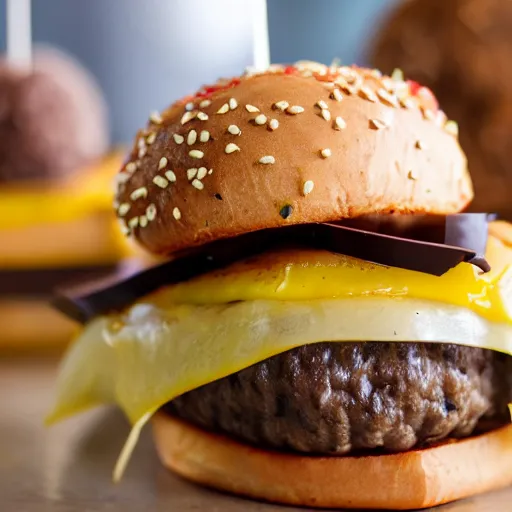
{"points": [[309, 274], [86, 192], [187, 335]]}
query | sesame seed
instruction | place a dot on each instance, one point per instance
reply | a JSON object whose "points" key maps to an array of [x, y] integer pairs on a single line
{"points": [[231, 148], [397, 75], [151, 138], [197, 184], [377, 124], [178, 138], [123, 209], [308, 187], [155, 118], [201, 173], [121, 178], [412, 175], [441, 118], [176, 213], [401, 89], [131, 167], [322, 104], [191, 173], [204, 136], [328, 85], [223, 109], [428, 114], [295, 109], [261, 119], [376, 73], [388, 98], [162, 163], [170, 176], [195, 153], [326, 153], [281, 105], [273, 124], [133, 223], [326, 114], [266, 160], [189, 106], [142, 152], [388, 84], [191, 137], [202, 116], [252, 109], [141, 143], [234, 130], [348, 88], [160, 181], [143, 221], [368, 94], [210, 171], [205, 103], [139, 193], [336, 95], [188, 116], [420, 144], [452, 128], [151, 212], [233, 103], [407, 103], [124, 228], [340, 123], [348, 73]]}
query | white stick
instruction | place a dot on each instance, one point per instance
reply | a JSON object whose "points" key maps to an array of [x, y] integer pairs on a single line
{"points": [[261, 46], [19, 32]]}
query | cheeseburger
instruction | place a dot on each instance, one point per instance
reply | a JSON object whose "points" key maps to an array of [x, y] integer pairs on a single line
{"points": [[56, 170], [328, 330]]}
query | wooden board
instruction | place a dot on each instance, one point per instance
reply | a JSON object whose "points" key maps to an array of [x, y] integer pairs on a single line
{"points": [[67, 468]]}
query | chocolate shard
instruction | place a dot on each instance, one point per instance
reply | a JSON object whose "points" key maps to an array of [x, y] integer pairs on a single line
{"points": [[429, 244], [470, 230]]}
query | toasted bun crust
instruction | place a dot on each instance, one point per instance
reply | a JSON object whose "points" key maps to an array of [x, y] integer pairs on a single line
{"points": [[410, 480], [391, 150]]}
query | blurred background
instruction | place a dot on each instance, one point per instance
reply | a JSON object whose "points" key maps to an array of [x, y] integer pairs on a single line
{"points": [[66, 120], [145, 53]]}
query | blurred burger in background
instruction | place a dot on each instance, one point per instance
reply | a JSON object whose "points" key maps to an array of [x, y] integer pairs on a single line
{"points": [[55, 193], [462, 50]]}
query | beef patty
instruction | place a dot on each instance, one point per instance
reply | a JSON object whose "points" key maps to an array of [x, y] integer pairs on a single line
{"points": [[332, 398]]}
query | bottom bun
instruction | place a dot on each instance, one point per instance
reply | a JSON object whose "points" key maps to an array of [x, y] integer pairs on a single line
{"points": [[410, 480]]}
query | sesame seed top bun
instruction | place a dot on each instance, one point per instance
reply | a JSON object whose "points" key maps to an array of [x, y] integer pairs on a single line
{"points": [[296, 144]]}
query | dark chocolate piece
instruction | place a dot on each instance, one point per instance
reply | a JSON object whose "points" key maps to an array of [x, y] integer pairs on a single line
{"points": [[122, 289], [427, 244]]}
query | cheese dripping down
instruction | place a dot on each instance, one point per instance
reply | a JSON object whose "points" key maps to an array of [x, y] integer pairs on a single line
{"points": [[190, 334]]}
